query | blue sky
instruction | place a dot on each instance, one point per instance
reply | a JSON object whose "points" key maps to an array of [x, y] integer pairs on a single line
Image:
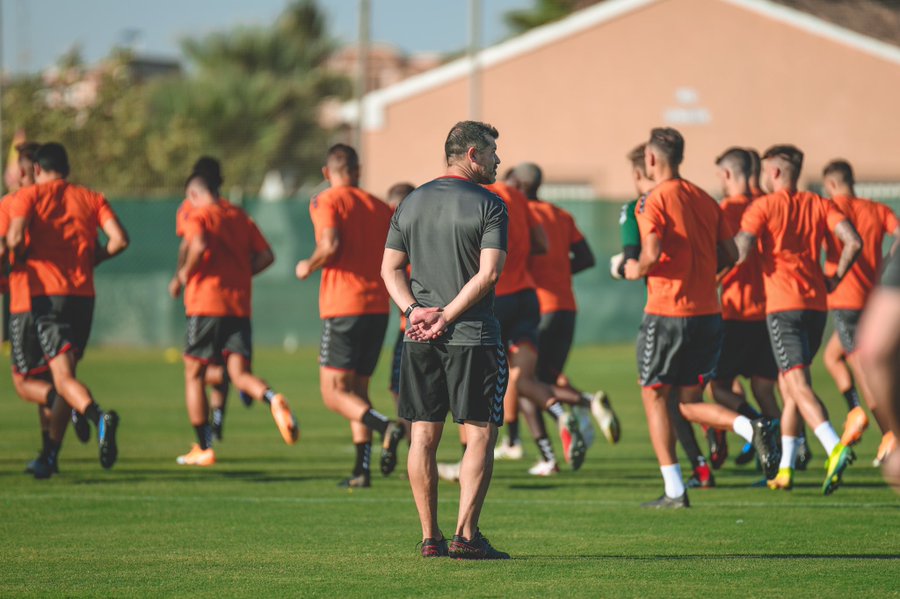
{"points": [[36, 32]]}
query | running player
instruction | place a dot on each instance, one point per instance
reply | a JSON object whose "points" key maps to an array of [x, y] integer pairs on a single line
{"points": [[216, 377], [789, 228], [873, 221], [351, 226], [61, 222], [453, 232], [746, 350], [225, 251], [682, 232], [702, 476]]}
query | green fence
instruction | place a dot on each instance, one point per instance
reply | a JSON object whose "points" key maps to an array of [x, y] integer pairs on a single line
{"points": [[133, 306]]}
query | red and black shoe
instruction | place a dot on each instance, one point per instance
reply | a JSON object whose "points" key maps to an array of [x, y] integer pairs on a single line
{"points": [[435, 548], [478, 547], [718, 447]]}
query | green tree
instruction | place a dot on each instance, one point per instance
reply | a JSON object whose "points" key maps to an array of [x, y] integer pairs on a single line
{"points": [[543, 12]]}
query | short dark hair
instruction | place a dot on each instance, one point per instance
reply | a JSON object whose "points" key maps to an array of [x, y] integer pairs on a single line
{"points": [[210, 167], [467, 134], [736, 159], [790, 156], [52, 157], [754, 162], [636, 156], [399, 191], [27, 151], [342, 157], [668, 142], [839, 168]]}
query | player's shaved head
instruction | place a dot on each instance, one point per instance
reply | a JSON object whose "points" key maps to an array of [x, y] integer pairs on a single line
{"points": [[342, 158], [840, 171], [788, 158], [52, 158], [736, 160], [754, 163], [530, 177], [465, 135], [398, 192], [636, 156], [667, 143]]}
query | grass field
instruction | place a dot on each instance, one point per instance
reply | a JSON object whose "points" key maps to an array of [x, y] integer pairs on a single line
{"points": [[268, 520]]}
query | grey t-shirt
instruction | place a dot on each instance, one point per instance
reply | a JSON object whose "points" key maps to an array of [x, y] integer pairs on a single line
{"points": [[891, 276], [443, 226]]}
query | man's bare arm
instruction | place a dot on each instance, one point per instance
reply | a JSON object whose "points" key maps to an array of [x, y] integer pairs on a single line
{"points": [[326, 247], [651, 250], [744, 242], [196, 247], [116, 243], [852, 245]]}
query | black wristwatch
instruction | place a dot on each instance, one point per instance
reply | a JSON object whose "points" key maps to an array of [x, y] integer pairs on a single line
{"points": [[412, 307]]}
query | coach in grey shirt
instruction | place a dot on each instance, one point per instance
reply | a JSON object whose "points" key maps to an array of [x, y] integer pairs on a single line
{"points": [[453, 233]]}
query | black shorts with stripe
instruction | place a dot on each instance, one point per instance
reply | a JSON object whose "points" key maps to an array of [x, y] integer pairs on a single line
{"points": [[746, 351], [555, 335], [26, 354], [353, 343], [845, 323], [519, 315], [63, 323], [213, 338], [796, 336], [468, 381], [679, 351]]}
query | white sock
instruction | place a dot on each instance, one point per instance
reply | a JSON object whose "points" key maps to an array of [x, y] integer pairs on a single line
{"points": [[827, 437], [743, 427], [788, 452], [672, 478]]}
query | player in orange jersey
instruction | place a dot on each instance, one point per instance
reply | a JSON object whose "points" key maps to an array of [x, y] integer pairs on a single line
{"points": [[225, 251], [788, 228], [873, 222], [53, 229], [351, 226]]}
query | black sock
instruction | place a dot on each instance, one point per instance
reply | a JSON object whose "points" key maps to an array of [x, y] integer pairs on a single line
{"points": [[52, 451], [204, 436], [93, 413], [218, 416], [852, 398], [375, 421], [45, 440], [684, 432], [268, 396], [363, 456], [546, 449], [746, 410], [512, 431], [463, 445], [556, 411], [52, 396]]}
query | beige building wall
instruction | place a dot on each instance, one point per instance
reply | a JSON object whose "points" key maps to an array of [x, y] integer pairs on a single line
{"points": [[721, 74]]}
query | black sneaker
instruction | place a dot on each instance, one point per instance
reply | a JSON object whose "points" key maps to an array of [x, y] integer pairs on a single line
{"points": [[804, 455], [767, 449], [81, 426], [29, 467], [718, 447], [357, 481], [392, 437], [45, 466], [747, 455], [435, 548], [668, 503], [106, 439], [476, 548]]}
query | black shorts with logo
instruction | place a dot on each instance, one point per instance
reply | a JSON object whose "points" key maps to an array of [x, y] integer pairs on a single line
{"points": [[746, 351], [26, 354], [395, 362], [467, 380], [63, 323], [555, 335], [213, 338], [796, 336], [519, 315], [845, 323], [678, 351], [353, 343]]}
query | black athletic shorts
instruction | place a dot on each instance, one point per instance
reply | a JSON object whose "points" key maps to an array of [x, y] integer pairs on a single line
{"points": [[26, 354], [845, 323], [63, 323], [212, 339], [467, 380], [795, 336], [555, 335], [746, 351], [678, 351], [520, 316], [395, 362], [353, 343]]}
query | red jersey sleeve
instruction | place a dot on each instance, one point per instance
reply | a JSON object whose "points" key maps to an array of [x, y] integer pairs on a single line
{"points": [[323, 213], [650, 216], [104, 210], [833, 215], [193, 225], [21, 204], [4, 215], [889, 219], [754, 219], [181, 216], [576, 234]]}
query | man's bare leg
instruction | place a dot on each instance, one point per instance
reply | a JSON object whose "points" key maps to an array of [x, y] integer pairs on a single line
{"points": [[475, 475], [421, 465]]}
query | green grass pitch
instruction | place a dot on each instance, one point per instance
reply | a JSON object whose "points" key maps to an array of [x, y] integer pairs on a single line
{"points": [[268, 520]]}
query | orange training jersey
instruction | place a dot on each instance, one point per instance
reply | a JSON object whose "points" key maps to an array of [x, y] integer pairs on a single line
{"points": [[62, 224], [743, 292], [222, 282], [552, 271], [351, 281], [19, 294], [791, 228], [515, 276], [689, 224], [873, 221]]}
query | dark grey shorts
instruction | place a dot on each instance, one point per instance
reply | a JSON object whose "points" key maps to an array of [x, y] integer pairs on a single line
{"points": [[795, 336], [468, 381], [746, 351], [26, 354], [845, 323], [63, 323], [555, 335], [678, 351], [353, 343], [520, 316], [212, 339]]}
